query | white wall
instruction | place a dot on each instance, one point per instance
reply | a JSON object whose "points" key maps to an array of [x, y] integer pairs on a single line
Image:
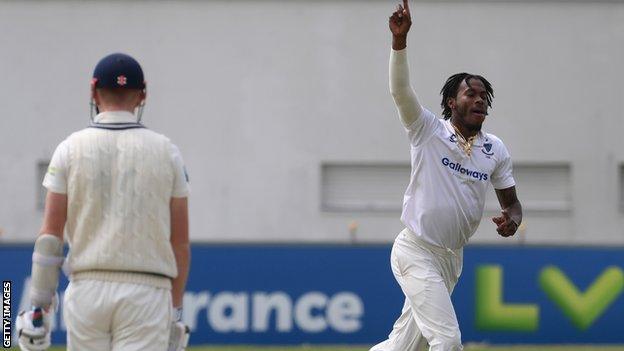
{"points": [[258, 94]]}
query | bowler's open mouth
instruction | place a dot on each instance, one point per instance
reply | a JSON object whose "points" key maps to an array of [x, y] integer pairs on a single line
{"points": [[481, 112]]}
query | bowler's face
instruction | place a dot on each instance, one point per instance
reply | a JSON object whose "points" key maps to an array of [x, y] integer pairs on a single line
{"points": [[471, 103]]}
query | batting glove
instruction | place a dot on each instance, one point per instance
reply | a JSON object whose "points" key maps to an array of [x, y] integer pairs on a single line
{"points": [[179, 333], [33, 329]]}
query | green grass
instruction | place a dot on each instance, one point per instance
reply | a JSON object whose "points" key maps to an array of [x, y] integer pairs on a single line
{"points": [[360, 348], [545, 348]]}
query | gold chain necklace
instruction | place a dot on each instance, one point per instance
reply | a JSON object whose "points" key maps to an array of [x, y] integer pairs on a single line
{"points": [[464, 144]]}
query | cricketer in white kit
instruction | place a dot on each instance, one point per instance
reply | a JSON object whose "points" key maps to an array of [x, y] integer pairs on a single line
{"points": [[453, 162], [117, 192]]}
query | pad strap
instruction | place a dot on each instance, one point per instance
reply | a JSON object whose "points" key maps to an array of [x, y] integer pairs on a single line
{"points": [[41, 295], [45, 260]]}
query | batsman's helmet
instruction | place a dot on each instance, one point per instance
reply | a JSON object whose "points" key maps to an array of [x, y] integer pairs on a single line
{"points": [[118, 71]]}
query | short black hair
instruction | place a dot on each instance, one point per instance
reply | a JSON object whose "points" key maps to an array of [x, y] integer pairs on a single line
{"points": [[450, 88]]}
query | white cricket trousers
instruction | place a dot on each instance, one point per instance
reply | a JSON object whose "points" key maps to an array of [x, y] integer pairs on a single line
{"points": [[104, 316], [427, 275]]}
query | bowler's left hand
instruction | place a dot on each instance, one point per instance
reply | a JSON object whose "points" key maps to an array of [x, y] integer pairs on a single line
{"points": [[505, 226]]}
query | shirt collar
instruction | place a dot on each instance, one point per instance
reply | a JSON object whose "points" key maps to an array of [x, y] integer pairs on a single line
{"points": [[479, 141], [115, 117]]}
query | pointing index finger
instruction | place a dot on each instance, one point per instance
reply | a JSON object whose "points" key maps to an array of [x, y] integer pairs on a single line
{"points": [[406, 6]]}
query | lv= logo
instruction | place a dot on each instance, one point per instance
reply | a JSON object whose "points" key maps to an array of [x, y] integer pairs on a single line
{"points": [[582, 308]]}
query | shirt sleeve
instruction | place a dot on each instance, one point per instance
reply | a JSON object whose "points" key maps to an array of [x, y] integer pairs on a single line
{"points": [[55, 179], [419, 122], [502, 177], [420, 131], [181, 187]]}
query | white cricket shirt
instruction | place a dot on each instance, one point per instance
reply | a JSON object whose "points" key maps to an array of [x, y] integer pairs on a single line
{"points": [[443, 204], [119, 178]]}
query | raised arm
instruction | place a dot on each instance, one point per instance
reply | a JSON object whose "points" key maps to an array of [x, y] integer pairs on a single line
{"points": [[404, 97]]}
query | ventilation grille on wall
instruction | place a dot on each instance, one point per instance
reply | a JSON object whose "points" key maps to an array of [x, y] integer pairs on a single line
{"points": [[379, 187], [363, 187], [543, 188]]}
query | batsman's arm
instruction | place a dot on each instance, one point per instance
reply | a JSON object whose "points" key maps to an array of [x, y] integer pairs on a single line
{"points": [[55, 181], [55, 214], [403, 94], [181, 247], [48, 252], [34, 325]]}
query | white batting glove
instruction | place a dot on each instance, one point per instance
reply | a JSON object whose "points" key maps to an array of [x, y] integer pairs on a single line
{"points": [[33, 329], [179, 333]]}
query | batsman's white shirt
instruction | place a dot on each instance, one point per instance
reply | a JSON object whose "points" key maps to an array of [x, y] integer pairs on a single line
{"points": [[444, 201], [119, 179], [119, 184]]}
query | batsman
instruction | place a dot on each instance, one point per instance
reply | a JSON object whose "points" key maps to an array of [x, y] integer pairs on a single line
{"points": [[117, 192], [453, 162]]}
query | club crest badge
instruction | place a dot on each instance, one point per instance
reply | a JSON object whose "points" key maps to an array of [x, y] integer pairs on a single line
{"points": [[487, 149], [122, 80]]}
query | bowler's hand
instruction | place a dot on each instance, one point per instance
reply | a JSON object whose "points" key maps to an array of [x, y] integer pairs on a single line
{"points": [[505, 226], [401, 20]]}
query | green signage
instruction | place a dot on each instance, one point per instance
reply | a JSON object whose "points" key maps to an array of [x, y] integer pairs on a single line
{"points": [[582, 308]]}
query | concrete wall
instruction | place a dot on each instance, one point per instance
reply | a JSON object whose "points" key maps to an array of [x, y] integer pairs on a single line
{"points": [[259, 94]]}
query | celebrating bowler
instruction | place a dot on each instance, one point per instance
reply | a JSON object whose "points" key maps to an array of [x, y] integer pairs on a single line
{"points": [[453, 162]]}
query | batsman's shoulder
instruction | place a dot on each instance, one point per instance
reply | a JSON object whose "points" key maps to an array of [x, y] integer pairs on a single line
{"points": [[84, 133], [168, 143], [73, 137], [79, 133], [154, 136]]}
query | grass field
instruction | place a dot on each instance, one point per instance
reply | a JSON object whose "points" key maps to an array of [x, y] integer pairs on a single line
{"points": [[471, 348], [355, 348]]}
